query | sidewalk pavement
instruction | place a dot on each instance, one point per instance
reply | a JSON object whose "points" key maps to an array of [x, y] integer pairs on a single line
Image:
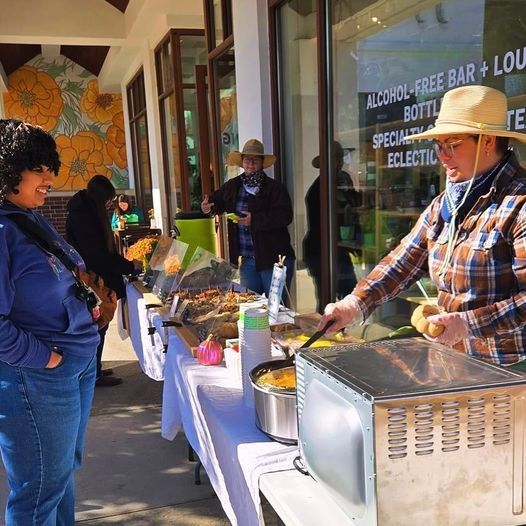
{"points": [[130, 474]]}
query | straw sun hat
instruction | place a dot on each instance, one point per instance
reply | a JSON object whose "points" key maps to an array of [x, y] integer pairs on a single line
{"points": [[473, 110], [254, 148]]}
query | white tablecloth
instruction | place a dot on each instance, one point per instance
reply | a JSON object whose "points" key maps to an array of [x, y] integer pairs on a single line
{"points": [[208, 403], [148, 348]]}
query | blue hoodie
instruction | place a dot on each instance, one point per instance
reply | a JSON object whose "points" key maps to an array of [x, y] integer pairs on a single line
{"points": [[38, 307]]}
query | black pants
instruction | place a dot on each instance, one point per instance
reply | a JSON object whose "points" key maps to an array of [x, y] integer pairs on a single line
{"points": [[102, 334]]}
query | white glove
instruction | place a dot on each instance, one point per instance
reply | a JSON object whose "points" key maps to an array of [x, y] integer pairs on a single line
{"points": [[456, 327], [344, 312]]}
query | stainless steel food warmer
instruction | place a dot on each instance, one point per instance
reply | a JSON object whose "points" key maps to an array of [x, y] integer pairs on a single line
{"points": [[410, 432]]}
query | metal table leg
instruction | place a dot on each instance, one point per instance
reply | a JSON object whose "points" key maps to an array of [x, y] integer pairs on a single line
{"points": [[197, 470], [197, 473]]}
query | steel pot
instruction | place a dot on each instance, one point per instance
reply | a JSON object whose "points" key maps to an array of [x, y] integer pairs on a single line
{"points": [[275, 408]]}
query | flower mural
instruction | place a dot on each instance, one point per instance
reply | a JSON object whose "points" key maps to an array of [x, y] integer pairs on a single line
{"points": [[64, 98], [33, 96], [100, 107], [115, 141], [83, 156]]}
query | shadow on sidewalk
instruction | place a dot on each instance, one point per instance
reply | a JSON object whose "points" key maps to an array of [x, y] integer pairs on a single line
{"points": [[130, 474]]}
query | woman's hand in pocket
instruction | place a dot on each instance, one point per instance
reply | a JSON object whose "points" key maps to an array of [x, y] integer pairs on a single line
{"points": [[54, 360]]}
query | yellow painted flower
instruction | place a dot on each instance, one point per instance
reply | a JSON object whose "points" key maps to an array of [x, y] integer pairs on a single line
{"points": [[82, 156], [115, 141], [33, 96], [100, 107]]}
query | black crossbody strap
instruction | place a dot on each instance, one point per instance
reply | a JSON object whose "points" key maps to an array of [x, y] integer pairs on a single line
{"points": [[45, 241], [42, 238]]}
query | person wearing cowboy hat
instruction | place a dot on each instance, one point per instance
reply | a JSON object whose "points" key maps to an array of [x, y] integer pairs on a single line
{"points": [[260, 211], [347, 199], [471, 238]]}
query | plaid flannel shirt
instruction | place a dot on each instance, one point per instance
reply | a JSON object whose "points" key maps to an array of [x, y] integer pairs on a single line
{"points": [[246, 245], [486, 276]]}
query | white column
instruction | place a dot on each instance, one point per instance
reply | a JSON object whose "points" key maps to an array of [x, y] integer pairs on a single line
{"points": [[251, 45]]}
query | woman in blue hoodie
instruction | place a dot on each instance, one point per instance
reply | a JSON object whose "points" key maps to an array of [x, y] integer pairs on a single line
{"points": [[48, 340]]}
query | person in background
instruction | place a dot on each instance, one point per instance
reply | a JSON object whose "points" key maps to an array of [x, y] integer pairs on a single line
{"points": [[48, 341], [471, 238], [124, 212], [88, 230], [259, 234], [347, 198]]}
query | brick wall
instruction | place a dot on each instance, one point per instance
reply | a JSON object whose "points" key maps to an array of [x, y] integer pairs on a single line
{"points": [[54, 210]]}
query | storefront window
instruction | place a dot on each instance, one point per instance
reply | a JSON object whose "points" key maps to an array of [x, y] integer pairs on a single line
{"points": [[193, 52], [192, 147], [176, 61], [171, 152], [139, 139], [221, 19], [144, 157], [218, 21], [299, 134], [392, 63], [227, 111]]}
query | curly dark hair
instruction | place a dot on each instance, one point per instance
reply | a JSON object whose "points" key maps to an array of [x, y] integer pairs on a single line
{"points": [[23, 147]]}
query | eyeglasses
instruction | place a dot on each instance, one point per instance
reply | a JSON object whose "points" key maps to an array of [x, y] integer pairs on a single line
{"points": [[448, 148], [252, 160]]}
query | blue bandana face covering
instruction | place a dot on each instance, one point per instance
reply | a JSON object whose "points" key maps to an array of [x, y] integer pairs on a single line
{"points": [[456, 199]]}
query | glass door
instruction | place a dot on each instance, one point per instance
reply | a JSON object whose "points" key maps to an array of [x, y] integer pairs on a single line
{"points": [[203, 112], [228, 138], [299, 141]]}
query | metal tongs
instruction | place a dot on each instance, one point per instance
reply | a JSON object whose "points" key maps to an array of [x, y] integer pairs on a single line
{"points": [[317, 335], [291, 360]]}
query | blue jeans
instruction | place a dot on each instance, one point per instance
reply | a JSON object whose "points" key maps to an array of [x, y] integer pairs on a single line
{"points": [[43, 419], [260, 281]]}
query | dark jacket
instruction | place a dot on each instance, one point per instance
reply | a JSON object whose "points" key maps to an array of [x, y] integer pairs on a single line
{"points": [[347, 200], [86, 234], [271, 211]]}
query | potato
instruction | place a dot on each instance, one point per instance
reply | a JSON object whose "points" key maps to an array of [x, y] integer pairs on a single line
{"points": [[435, 330], [417, 314], [420, 322], [422, 325], [424, 310], [226, 330]]}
